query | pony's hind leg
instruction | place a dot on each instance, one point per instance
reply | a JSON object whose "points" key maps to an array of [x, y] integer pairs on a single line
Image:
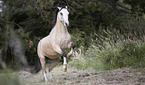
{"points": [[43, 64], [54, 62]]}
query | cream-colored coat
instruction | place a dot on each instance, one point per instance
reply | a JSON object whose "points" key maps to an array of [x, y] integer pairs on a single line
{"points": [[56, 42], [54, 45]]}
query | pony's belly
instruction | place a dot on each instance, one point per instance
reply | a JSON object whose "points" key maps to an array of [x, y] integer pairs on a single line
{"points": [[52, 57], [51, 54]]}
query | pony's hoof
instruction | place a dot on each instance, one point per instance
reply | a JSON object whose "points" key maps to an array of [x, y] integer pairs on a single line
{"points": [[46, 81], [65, 69]]}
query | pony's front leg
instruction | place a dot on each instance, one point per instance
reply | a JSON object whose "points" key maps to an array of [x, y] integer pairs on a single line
{"points": [[58, 50], [72, 46], [64, 62]]}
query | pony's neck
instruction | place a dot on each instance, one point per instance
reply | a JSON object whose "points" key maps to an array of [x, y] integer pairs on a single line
{"points": [[59, 26]]}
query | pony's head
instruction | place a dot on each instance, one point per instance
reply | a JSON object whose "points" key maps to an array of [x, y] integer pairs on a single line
{"points": [[63, 15]]}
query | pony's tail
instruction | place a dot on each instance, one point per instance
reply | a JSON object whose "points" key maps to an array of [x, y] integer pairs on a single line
{"points": [[37, 66]]}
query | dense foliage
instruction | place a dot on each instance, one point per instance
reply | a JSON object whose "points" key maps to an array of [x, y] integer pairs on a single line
{"points": [[105, 30]]}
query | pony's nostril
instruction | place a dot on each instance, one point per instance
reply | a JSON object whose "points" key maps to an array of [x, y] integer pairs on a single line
{"points": [[67, 24]]}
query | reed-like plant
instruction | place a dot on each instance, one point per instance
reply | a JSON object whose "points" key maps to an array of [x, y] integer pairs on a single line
{"points": [[112, 49]]}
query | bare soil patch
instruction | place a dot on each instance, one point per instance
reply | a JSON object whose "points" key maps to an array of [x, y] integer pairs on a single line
{"points": [[123, 76]]}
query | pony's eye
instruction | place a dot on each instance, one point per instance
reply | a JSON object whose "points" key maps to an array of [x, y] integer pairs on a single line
{"points": [[61, 13]]}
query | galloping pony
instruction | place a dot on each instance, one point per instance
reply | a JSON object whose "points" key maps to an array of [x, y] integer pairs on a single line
{"points": [[54, 45]]}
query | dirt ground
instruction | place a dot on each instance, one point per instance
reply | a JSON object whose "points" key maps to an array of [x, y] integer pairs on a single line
{"points": [[123, 76]]}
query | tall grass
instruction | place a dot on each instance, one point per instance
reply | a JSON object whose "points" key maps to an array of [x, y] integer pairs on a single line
{"points": [[113, 48]]}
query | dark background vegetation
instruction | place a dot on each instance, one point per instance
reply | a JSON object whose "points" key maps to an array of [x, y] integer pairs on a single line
{"points": [[109, 33]]}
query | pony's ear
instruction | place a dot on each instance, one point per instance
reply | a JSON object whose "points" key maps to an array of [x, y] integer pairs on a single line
{"points": [[59, 8], [66, 7]]}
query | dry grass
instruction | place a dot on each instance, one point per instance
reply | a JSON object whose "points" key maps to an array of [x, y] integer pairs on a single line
{"points": [[124, 76]]}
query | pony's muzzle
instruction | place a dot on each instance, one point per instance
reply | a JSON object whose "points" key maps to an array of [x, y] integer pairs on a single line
{"points": [[66, 24]]}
